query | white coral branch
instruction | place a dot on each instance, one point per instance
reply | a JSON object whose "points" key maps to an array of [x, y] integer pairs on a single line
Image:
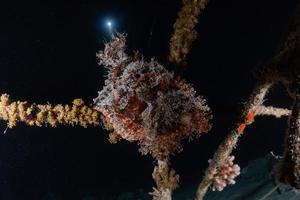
{"points": [[272, 111]]}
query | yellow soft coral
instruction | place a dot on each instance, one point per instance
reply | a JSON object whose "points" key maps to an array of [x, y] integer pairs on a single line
{"points": [[38, 115], [184, 30]]}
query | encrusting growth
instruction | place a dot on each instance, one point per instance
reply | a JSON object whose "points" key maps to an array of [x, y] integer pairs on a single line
{"points": [[38, 115], [272, 111], [184, 30], [288, 169]]}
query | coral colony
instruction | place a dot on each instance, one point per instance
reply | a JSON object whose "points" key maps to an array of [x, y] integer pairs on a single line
{"points": [[143, 102], [225, 175]]}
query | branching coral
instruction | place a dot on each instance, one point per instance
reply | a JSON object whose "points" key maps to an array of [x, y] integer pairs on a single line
{"points": [[184, 30], [225, 174], [272, 111], [166, 180], [37, 114], [288, 169]]}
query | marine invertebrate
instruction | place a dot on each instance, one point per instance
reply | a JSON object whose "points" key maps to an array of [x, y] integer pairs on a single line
{"points": [[37, 115], [166, 181], [184, 30], [225, 174], [288, 169]]}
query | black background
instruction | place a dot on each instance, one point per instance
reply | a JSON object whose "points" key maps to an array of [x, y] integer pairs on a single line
{"points": [[47, 54]]}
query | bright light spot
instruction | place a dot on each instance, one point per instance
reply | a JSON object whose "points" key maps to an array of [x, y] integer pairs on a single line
{"points": [[109, 24]]}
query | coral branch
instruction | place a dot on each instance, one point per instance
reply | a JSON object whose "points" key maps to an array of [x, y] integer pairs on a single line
{"points": [[288, 169], [38, 115], [270, 110], [184, 30], [166, 180], [284, 66], [226, 147]]}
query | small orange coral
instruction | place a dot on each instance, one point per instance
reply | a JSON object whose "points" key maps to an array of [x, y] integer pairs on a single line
{"points": [[249, 119], [241, 128]]}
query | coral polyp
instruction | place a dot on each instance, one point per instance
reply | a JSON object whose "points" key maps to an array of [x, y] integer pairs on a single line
{"points": [[144, 102]]}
